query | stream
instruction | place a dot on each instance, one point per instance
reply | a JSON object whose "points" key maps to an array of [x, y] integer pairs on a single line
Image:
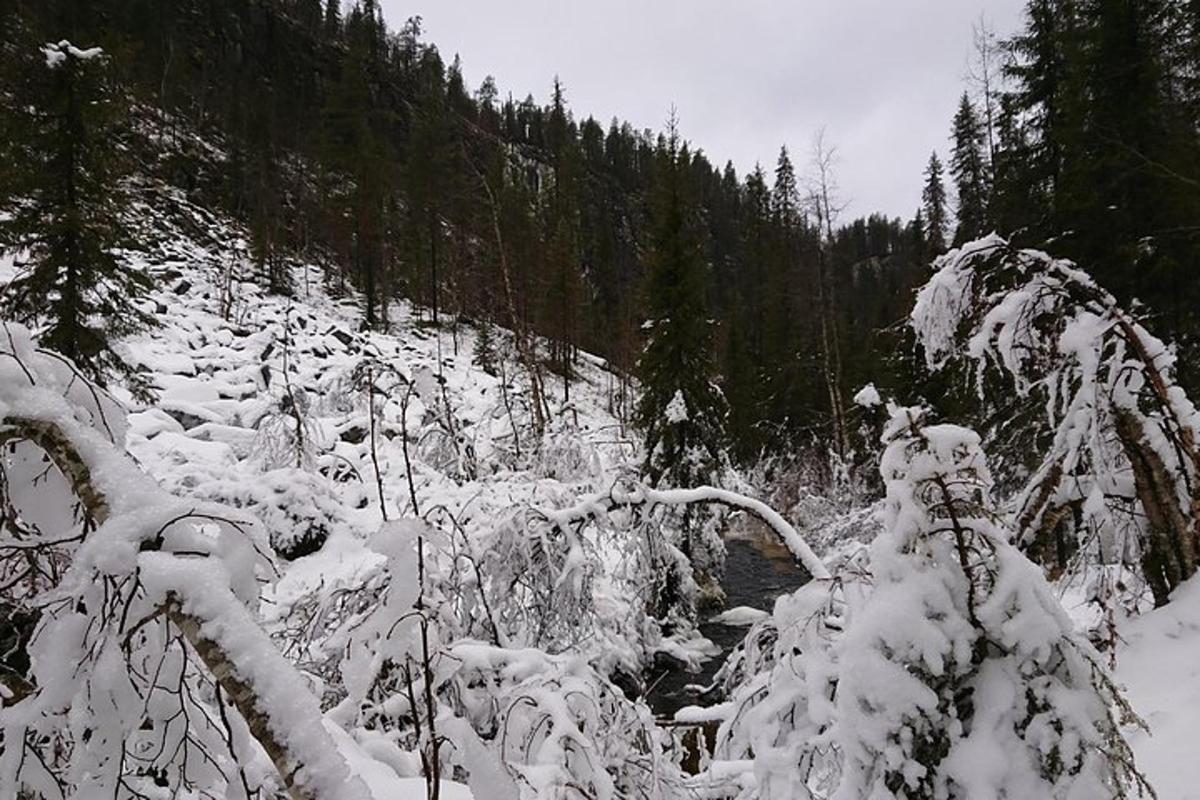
{"points": [[758, 569]]}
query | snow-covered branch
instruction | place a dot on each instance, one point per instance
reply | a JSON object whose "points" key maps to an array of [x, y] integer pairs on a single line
{"points": [[641, 495]]}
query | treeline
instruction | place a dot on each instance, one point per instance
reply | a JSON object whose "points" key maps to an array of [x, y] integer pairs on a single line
{"points": [[345, 141], [1081, 136]]}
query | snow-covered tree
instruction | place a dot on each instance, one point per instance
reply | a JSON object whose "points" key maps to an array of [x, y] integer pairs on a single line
{"points": [[961, 676], [64, 188], [1115, 434], [939, 664], [682, 412]]}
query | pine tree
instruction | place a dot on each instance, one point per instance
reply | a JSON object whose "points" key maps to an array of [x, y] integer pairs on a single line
{"points": [[65, 190], [310, 16], [561, 238], [781, 256], [484, 355], [1047, 94], [785, 195], [359, 144], [429, 176], [968, 168], [1101, 139], [682, 413], [934, 206]]}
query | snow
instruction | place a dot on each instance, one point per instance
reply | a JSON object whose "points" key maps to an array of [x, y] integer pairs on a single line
{"points": [[57, 54], [742, 616], [209, 438], [1159, 664], [528, 648], [677, 410], [382, 781], [868, 397]]}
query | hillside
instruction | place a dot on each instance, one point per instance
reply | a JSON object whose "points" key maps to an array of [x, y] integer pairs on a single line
{"points": [[262, 405], [367, 437]]}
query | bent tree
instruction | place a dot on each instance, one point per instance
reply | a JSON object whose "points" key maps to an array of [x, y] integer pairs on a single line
{"points": [[146, 667], [1117, 471]]}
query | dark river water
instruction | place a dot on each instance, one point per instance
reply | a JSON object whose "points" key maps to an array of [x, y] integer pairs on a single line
{"points": [[757, 570]]}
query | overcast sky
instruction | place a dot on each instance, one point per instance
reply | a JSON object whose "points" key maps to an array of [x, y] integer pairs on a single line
{"points": [[882, 77]]}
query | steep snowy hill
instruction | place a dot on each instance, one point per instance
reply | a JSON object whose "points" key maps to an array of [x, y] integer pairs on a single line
{"points": [[263, 404], [321, 432]]}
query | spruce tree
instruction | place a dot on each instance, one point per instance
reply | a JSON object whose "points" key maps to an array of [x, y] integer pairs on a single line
{"points": [[561, 224], [934, 206], [310, 15], [785, 196], [333, 20], [968, 168], [1048, 96], [783, 366], [682, 413], [64, 188]]}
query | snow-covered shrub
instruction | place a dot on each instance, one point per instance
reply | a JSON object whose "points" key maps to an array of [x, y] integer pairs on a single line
{"points": [[441, 441], [941, 667], [779, 718], [961, 675], [577, 579], [565, 453], [538, 724], [560, 729], [1116, 475], [148, 674], [286, 434]]}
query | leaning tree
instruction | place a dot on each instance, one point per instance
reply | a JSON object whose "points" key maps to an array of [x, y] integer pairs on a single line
{"points": [[135, 664], [1116, 478]]}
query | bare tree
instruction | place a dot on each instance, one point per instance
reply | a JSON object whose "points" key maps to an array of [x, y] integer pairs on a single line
{"points": [[823, 199], [984, 76]]}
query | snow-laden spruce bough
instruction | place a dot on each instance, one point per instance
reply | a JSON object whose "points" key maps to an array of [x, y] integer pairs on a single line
{"points": [[1116, 470], [937, 663]]}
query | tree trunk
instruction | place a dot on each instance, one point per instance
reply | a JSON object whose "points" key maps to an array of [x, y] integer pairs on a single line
{"points": [[1169, 551]]}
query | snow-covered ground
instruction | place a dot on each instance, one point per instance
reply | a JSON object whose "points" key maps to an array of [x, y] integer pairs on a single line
{"points": [[264, 404], [228, 373], [1159, 664]]}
